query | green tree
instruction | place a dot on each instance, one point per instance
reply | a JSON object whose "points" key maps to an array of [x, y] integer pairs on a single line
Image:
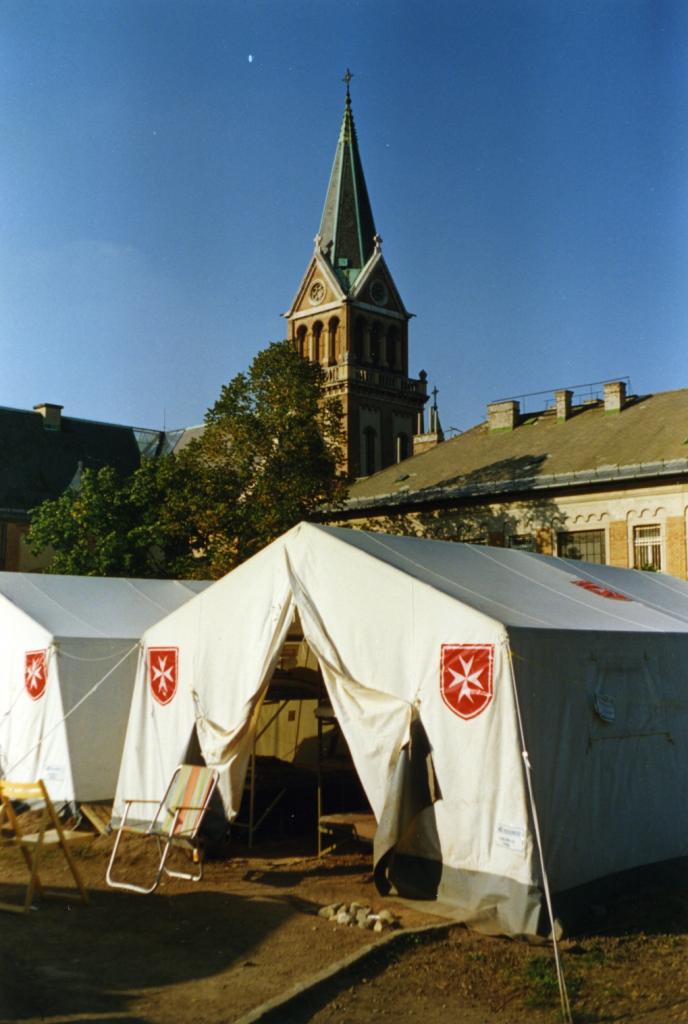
{"points": [[112, 527], [267, 459]]}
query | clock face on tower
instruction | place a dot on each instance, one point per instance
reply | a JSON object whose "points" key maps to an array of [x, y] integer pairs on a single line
{"points": [[378, 293], [317, 292]]}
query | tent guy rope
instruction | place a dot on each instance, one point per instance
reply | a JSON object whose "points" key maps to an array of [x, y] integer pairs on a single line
{"points": [[71, 711], [89, 661]]}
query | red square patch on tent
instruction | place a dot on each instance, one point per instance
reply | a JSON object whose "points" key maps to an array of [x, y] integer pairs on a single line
{"points": [[35, 673], [162, 672], [466, 678]]}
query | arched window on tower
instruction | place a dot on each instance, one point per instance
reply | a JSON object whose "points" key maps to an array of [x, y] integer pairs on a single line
{"points": [[375, 333], [393, 360], [332, 329], [359, 329], [369, 461], [317, 342], [301, 341], [403, 447]]}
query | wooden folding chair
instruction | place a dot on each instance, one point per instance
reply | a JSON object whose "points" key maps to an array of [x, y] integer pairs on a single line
{"points": [[43, 830], [178, 817]]}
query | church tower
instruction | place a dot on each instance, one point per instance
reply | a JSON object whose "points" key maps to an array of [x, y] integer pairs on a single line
{"points": [[348, 316]]}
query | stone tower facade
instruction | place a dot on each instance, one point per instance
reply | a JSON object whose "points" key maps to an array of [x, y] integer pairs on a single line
{"points": [[349, 317]]}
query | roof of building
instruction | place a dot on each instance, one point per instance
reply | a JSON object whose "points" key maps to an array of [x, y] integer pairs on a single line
{"points": [[347, 228], [647, 438], [177, 440], [37, 462]]}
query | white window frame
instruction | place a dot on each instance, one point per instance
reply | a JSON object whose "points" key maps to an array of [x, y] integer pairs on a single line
{"points": [[654, 543]]}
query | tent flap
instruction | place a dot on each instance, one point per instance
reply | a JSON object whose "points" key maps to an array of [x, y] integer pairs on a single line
{"points": [[413, 788], [228, 747]]}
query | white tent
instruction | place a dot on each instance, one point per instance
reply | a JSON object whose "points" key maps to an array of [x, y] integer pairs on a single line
{"points": [[452, 669], [70, 647]]}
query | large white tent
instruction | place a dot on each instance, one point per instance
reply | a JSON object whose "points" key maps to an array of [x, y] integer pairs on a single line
{"points": [[70, 648], [480, 690]]}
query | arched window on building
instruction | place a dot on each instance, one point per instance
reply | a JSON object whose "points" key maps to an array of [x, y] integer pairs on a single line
{"points": [[301, 341], [403, 447], [369, 461], [332, 329], [317, 342]]}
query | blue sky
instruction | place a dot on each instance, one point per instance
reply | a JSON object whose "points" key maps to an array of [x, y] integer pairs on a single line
{"points": [[164, 165]]}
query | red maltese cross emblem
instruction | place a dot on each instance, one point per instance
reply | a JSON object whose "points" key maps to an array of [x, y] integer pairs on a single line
{"points": [[466, 678], [35, 673], [162, 673], [595, 588]]}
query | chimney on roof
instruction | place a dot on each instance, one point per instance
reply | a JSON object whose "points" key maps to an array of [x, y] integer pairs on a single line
{"points": [[503, 415], [52, 415], [563, 400], [614, 396]]}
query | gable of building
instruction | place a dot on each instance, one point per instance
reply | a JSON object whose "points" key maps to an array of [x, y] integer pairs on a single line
{"points": [[319, 288], [375, 289]]}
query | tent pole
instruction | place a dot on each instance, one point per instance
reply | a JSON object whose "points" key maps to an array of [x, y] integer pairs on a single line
{"points": [[563, 993], [252, 793], [318, 809]]}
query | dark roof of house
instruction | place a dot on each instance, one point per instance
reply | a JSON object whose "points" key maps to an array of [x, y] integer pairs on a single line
{"points": [[38, 463], [648, 438]]}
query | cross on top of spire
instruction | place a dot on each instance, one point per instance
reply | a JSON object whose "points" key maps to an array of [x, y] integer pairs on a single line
{"points": [[347, 226]]}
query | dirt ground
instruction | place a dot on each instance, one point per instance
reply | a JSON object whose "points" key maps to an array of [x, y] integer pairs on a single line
{"points": [[249, 932]]}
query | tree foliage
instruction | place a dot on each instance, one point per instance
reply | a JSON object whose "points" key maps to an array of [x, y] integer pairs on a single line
{"points": [[111, 527], [267, 459]]}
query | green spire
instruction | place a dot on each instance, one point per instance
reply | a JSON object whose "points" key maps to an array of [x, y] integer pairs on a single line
{"points": [[347, 228]]}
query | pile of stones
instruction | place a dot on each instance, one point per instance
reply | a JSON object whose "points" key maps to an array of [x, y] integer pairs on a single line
{"points": [[360, 916]]}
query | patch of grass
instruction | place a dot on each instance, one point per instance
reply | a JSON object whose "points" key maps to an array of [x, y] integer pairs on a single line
{"points": [[476, 956], [593, 955], [540, 977]]}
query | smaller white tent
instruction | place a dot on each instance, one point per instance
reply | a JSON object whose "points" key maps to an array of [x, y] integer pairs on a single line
{"points": [[452, 669], [69, 648]]}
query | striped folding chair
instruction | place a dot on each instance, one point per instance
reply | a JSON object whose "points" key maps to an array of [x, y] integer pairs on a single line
{"points": [[178, 817]]}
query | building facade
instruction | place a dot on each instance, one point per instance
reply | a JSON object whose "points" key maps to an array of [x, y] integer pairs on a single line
{"points": [[603, 479], [348, 316]]}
